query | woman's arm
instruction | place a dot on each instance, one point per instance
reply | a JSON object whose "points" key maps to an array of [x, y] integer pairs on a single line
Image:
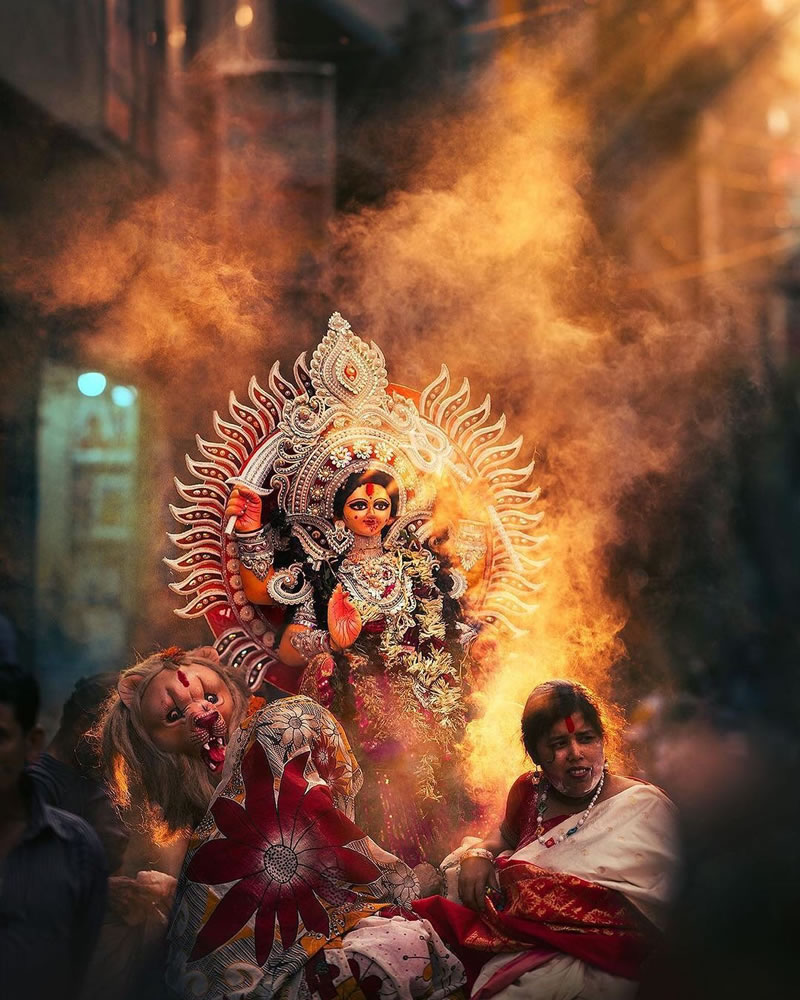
{"points": [[478, 874]]}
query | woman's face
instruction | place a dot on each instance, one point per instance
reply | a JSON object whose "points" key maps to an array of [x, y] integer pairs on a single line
{"points": [[367, 510], [572, 756]]}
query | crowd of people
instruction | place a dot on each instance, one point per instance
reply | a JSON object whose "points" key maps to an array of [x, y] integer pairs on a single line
{"points": [[285, 814], [272, 888]]}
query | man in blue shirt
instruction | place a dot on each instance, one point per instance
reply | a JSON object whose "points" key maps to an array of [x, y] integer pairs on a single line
{"points": [[53, 872]]}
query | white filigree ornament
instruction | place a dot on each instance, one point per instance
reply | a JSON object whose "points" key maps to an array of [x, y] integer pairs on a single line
{"points": [[297, 442], [346, 370], [341, 457], [339, 538]]}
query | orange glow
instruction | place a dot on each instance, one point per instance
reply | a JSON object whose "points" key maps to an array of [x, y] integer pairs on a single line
{"points": [[176, 38], [161, 834], [121, 787], [488, 260], [243, 16]]}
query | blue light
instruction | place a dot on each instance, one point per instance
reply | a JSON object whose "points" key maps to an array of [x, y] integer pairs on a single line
{"points": [[123, 395], [91, 383]]}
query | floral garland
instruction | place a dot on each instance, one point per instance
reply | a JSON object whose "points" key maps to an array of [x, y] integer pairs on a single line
{"points": [[435, 680]]}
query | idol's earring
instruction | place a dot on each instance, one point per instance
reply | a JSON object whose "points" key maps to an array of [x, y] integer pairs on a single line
{"points": [[339, 537], [605, 766]]}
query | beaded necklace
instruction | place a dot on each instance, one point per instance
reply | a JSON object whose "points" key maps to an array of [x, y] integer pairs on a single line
{"points": [[541, 806]]}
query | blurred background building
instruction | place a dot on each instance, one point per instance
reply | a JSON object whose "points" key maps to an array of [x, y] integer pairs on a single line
{"points": [[264, 120]]}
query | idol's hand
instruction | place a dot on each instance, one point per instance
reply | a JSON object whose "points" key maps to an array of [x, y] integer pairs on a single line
{"points": [[344, 621], [476, 876], [245, 505]]}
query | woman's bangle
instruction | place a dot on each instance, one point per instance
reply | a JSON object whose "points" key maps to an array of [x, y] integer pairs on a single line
{"points": [[477, 852]]}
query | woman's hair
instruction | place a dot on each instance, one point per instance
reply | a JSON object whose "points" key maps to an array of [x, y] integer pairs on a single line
{"points": [[555, 700], [361, 479]]}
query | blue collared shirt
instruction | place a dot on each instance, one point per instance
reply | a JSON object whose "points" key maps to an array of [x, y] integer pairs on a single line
{"points": [[53, 888], [60, 785]]}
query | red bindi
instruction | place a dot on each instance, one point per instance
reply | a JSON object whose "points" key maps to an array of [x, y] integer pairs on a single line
{"points": [[183, 678], [370, 488], [569, 724]]}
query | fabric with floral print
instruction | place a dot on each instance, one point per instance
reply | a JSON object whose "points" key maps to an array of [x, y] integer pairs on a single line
{"points": [[394, 959], [277, 871]]}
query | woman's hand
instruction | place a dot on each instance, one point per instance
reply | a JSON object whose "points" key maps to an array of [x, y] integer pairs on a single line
{"points": [[344, 621], [245, 505], [476, 876]]}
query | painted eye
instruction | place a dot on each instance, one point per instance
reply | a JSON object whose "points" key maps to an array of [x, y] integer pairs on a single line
{"points": [[173, 715], [381, 505], [358, 505], [212, 698]]}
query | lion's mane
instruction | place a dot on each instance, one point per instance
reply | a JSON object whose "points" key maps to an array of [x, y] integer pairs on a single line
{"points": [[167, 793]]}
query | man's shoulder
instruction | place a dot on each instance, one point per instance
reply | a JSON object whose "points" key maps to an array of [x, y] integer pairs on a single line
{"points": [[73, 829], [59, 784]]}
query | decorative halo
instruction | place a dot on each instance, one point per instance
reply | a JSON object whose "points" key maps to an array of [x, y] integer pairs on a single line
{"points": [[300, 441]]}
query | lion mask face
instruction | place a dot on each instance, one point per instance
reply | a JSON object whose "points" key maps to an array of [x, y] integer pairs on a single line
{"points": [[163, 734]]}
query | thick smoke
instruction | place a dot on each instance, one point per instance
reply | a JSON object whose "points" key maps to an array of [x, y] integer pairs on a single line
{"points": [[488, 261]]}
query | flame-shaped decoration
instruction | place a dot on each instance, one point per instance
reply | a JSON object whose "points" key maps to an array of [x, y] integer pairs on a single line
{"points": [[302, 439]]}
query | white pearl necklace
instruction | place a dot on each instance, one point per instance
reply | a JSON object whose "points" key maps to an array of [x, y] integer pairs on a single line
{"points": [[541, 806]]}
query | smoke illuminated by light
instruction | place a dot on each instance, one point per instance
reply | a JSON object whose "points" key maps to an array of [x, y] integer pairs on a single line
{"points": [[488, 260], [778, 121]]}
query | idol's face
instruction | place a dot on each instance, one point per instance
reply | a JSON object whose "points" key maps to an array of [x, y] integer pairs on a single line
{"points": [[189, 711], [367, 510], [572, 756]]}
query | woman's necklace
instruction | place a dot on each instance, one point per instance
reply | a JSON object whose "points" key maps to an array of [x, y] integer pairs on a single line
{"points": [[541, 806]]}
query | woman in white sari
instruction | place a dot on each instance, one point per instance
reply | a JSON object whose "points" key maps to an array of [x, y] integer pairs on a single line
{"points": [[569, 891]]}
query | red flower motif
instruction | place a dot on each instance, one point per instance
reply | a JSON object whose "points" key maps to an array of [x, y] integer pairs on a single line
{"points": [[289, 861], [370, 985], [333, 771]]}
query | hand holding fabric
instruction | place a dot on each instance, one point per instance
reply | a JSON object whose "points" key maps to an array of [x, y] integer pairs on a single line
{"points": [[477, 875]]}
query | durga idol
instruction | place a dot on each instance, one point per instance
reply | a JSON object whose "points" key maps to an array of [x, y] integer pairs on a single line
{"points": [[350, 577]]}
